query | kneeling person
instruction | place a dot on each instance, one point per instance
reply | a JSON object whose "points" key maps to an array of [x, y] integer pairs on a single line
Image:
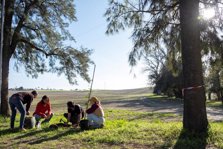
{"points": [[43, 111], [75, 113]]}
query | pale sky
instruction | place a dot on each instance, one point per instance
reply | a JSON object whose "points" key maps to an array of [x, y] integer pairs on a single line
{"points": [[110, 55]]}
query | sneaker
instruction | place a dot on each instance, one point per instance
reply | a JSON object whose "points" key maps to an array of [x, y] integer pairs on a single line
{"points": [[38, 125], [75, 125], [22, 129]]}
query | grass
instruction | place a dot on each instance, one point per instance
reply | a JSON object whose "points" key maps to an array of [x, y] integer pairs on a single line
{"points": [[123, 129], [214, 103]]}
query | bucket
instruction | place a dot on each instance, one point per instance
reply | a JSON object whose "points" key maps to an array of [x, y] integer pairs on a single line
{"points": [[29, 122], [84, 124]]}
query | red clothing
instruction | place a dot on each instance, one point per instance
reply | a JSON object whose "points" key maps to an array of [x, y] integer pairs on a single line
{"points": [[92, 108], [43, 109]]}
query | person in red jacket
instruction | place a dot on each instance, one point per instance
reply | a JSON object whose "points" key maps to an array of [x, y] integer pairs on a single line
{"points": [[43, 111]]}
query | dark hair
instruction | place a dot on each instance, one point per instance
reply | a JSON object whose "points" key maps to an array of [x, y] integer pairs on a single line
{"points": [[34, 92], [44, 97], [70, 104]]}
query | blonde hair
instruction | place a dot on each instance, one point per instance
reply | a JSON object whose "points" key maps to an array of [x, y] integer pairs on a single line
{"points": [[94, 100]]}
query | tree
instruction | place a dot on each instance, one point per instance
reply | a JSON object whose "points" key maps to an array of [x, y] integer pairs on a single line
{"points": [[164, 71], [169, 84], [154, 62], [214, 80], [178, 27], [195, 117], [34, 35]]}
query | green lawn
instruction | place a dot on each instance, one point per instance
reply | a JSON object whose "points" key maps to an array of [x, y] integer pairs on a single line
{"points": [[215, 104], [123, 129]]}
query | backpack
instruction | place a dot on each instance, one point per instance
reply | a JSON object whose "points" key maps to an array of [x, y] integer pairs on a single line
{"points": [[84, 124], [82, 111]]}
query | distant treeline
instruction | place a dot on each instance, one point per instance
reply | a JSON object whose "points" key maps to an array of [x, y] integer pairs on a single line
{"points": [[28, 89]]}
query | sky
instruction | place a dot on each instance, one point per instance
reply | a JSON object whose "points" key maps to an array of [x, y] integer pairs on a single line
{"points": [[110, 55]]}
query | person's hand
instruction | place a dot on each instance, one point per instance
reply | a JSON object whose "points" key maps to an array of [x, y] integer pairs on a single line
{"points": [[44, 116], [27, 113]]}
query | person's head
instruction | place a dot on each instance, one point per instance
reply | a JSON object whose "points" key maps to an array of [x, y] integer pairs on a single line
{"points": [[94, 100], [70, 104], [45, 99], [34, 93]]}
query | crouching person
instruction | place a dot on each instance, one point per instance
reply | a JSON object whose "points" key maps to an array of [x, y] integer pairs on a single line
{"points": [[16, 102], [43, 111], [95, 114], [75, 113]]}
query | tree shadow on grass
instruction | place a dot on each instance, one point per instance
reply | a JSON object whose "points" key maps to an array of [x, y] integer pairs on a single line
{"points": [[188, 140], [8, 131], [55, 137], [33, 133], [164, 116]]}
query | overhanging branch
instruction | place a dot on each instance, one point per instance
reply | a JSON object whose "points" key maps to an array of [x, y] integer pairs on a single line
{"points": [[23, 40]]}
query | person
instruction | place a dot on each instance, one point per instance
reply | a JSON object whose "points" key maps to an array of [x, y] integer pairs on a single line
{"points": [[95, 113], [75, 113], [17, 101], [43, 111]]}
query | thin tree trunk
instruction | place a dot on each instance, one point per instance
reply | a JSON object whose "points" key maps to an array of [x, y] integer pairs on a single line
{"points": [[194, 116], [209, 95]]}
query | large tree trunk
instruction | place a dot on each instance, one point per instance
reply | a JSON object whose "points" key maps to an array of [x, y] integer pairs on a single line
{"points": [[194, 116], [6, 55], [4, 91]]}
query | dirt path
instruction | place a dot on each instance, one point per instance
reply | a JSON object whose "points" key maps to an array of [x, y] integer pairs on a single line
{"points": [[160, 105]]}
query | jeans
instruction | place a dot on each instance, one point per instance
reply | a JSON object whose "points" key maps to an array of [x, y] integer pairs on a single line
{"points": [[95, 120], [38, 118], [16, 103]]}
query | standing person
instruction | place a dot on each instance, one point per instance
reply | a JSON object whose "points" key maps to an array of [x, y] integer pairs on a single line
{"points": [[95, 114], [75, 113], [43, 111], [17, 101]]}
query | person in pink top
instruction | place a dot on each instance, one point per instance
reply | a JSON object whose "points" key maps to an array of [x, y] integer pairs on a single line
{"points": [[95, 114], [43, 111]]}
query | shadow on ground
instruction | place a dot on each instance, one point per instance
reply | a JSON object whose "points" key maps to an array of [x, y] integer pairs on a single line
{"points": [[147, 104], [188, 140], [55, 137]]}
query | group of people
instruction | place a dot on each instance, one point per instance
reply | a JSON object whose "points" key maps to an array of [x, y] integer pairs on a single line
{"points": [[43, 112]]}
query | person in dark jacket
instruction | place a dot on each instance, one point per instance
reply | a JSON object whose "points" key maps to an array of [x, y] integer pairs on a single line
{"points": [[75, 113], [17, 101]]}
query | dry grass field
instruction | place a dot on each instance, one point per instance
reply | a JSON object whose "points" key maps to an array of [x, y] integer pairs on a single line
{"points": [[59, 99]]}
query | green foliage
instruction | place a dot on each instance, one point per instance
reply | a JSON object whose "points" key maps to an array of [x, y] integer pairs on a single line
{"points": [[39, 33], [214, 77], [156, 33], [153, 22], [169, 84]]}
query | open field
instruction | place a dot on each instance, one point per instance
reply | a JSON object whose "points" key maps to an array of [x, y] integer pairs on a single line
{"points": [[134, 119], [59, 99]]}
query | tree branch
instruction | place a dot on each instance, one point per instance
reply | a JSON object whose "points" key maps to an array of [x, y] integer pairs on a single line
{"points": [[19, 26], [39, 49]]}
